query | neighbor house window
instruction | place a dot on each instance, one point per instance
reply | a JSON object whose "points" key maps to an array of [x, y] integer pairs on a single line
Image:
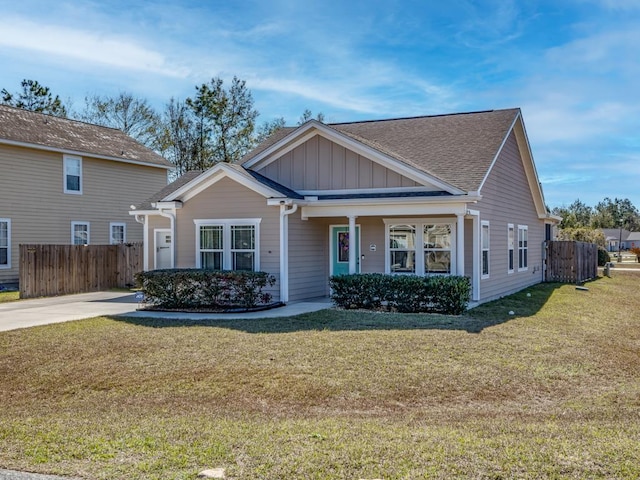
{"points": [[5, 243], [419, 247], [117, 233], [80, 233], [484, 240], [72, 174], [523, 247], [510, 247], [228, 244]]}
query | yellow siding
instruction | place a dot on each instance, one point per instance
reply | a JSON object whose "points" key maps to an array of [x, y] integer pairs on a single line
{"points": [[319, 164], [32, 196]]}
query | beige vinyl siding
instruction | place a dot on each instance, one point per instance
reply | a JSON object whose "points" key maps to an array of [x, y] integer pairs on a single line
{"points": [[32, 195], [226, 199], [308, 257], [372, 232], [506, 198], [319, 164]]}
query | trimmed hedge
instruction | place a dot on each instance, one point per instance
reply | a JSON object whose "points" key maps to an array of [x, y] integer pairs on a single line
{"points": [[402, 293], [198, 288]]}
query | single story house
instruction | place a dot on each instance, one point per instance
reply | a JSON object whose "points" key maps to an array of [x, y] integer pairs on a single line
{"points": [[621, 239], [433, 195]]}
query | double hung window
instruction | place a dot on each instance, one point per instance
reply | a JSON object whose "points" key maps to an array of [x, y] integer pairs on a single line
{"points": [[79, 233], [72, 175], [485, 248], [5, 243], [510, 248], [523, 247], [117, 233], [228, 244]]}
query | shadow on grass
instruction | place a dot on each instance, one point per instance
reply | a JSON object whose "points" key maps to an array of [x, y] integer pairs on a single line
{"points": [[524, 304]]}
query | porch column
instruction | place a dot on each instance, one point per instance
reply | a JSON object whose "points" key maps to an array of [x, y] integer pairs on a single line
{"points": [[460, 245], [477, 267], [352, 244]]}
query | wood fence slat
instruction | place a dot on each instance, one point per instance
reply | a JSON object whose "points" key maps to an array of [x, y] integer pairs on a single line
{"points": [[50, 270], [571, 262]]}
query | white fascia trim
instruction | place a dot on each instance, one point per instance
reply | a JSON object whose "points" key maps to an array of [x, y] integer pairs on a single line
{"points": [[35, 146], [427, 201], [350, 191], [167, 205], [283, 146], [383, 210], [215, 174], [144, 212]]}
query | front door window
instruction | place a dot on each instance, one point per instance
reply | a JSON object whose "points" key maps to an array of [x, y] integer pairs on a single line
{"points": [[340, 245]]}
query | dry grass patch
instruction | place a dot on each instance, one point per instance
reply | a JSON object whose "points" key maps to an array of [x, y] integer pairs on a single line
{"points": [[10, 296], [550, 392]]}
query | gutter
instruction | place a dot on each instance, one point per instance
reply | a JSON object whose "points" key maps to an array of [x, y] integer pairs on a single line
{"points": [[284, 246]]}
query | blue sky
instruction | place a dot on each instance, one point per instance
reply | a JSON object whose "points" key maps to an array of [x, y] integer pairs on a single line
{"points": [[573, 66]]}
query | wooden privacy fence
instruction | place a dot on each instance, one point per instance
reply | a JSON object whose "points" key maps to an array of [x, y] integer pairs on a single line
{"points": [[571, 262], [49, 270]]}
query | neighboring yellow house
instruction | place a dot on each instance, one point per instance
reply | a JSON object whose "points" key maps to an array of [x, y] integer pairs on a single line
{"points": [[65, 182]]}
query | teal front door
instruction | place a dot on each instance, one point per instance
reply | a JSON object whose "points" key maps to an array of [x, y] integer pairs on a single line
{"points": [[340, 245]]}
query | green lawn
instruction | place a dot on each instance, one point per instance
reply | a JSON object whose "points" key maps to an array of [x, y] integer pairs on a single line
{"points": [[9, 296], [552, 391]]}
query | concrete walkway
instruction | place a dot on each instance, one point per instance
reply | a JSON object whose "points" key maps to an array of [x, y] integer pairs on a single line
{"points": [[43, 311]]}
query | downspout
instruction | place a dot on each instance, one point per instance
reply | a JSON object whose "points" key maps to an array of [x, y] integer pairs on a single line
{"points": [[171, 215], [284, 249], [142, 219]]}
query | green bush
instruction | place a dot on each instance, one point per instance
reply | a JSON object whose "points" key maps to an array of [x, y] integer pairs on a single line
{"points": [[603, 257], [198, 288], [402, 293]]}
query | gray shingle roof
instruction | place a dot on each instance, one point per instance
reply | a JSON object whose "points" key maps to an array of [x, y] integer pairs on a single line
{"points": [[169, 189], [47, 131], [457, 148]]}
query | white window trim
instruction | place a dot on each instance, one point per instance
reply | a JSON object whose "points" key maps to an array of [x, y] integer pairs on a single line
{"points": [[66, 159], [226, 224], [511, 248], [485, 223], [124, 232], [419, 224], [88, 225], [8, 222], [523, 228]]}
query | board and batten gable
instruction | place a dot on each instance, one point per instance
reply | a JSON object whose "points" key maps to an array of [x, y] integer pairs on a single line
{"points": [[507, 199], [227, 199], [320, 164], [32, 197]]}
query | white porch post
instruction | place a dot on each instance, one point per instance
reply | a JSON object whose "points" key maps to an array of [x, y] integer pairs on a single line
{"points": [[475, 274], [352, 244], [145, 243], [460, 245]]}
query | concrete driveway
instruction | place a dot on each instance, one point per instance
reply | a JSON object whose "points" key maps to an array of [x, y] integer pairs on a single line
{"points": [[42, 311]]}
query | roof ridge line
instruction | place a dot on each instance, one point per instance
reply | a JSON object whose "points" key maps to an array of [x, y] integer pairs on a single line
{"points": [[473, 112]]}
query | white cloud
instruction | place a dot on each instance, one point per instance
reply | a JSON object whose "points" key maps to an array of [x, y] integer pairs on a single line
{"points": [[85, 46]]}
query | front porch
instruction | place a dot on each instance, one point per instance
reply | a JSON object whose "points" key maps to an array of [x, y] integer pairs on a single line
{"points": [[412, 238]]}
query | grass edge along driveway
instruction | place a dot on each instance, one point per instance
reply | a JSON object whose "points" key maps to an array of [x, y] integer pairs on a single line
{"points": [[549, 392]]}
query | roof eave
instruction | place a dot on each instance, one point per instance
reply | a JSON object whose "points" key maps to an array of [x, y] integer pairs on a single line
{"points": [[37, 146]]}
